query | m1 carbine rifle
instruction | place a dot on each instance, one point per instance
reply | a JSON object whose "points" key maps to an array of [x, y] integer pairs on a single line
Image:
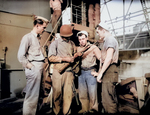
{"points": [[75, 64], [75, 93]]}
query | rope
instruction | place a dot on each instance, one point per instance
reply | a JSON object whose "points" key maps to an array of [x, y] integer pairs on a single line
{"points": [[54, 27]]}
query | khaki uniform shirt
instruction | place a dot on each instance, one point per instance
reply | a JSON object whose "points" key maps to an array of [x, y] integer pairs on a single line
{"points": [[29, 49], [61, 48], [110, 42], [89, 57]]}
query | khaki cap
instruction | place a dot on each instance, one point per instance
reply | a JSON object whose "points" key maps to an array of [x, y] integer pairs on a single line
{"points": [[42, 18], [83, 32], [104, 25]]}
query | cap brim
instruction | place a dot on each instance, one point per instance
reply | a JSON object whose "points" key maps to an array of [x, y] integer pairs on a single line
{"points": [[66, 35], [82, 33]]}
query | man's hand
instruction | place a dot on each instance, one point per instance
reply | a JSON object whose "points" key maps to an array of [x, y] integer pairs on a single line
{"points": [[29, 65], [77, 54], [99, 78], [68, 59], [94, 73]]}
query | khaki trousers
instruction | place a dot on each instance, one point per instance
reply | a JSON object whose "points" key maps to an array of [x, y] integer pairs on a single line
{"points": [[62, 91], [109, 98]]}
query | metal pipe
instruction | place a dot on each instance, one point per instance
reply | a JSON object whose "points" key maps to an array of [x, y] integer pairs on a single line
{"points": [[129, 8], [111, 21], [128, 15], [127, 18], [124, 24], [127, 26], [76, 17], [71, 12], [145, 14]]}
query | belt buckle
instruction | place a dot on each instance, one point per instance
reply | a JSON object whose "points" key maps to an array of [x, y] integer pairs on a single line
{"points": [[85, 68]]}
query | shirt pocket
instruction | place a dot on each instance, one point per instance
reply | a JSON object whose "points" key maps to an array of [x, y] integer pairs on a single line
{"points": [[36, 51]]}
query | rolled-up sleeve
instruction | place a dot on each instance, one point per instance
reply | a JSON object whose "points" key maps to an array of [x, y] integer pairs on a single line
{"points": [[23, 48], [111, 44], [52, 49]]}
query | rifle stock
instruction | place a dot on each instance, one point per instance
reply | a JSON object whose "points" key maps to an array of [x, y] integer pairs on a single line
{"points": [[63, 67]]}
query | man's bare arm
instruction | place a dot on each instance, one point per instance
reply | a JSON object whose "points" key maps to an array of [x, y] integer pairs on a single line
{"points": [[106, 63], [108, 60]]}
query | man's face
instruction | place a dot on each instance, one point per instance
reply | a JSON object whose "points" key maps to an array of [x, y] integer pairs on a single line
{"points": [[82, 40], [100, 33], [41, 28]]}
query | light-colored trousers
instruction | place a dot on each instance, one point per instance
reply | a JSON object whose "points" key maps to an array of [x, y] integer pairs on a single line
{"points": [[32, 88], [88, 91]]}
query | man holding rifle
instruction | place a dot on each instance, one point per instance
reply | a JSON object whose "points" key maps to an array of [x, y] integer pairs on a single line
{"points": [[61, 52], [87, 82]]}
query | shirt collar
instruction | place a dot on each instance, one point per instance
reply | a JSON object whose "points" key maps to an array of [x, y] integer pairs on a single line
{"points": [[62, 40], [35, 34], [88, 43]]}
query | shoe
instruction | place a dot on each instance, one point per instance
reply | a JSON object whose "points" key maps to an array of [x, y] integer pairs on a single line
{"points": [[82, 112], [92, 111], [85, 113], [69, 113]]}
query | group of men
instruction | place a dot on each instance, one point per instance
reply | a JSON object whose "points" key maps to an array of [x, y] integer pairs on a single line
{"points": [[62, 53]]}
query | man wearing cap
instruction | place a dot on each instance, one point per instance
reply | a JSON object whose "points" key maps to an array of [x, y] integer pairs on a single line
{"points": [[61, 52], [32, 59], [108, 73], [87, 82]]}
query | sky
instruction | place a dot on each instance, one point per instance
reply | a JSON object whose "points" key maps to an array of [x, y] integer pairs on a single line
{"points": [[114, 9]]}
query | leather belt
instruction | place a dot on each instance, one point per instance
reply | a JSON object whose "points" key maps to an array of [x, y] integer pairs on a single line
{"points": [[37, 61], [87, 68], [111, 64]]}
